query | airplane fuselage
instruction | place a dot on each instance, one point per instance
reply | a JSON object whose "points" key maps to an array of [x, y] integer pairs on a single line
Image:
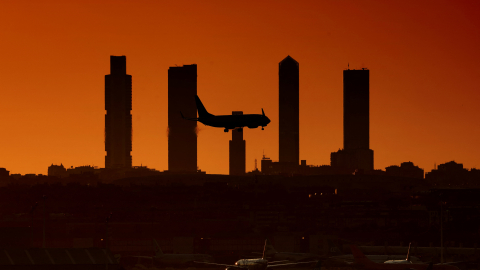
{"points": [[229, 121], [252, 264], [235, 121], [381, 258]]}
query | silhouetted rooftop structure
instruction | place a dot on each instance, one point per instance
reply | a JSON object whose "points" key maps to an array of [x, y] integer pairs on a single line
{"points": [[269, 167], [4, 173], [451, 166], [57, 171], [452, 174], [406, 169]]}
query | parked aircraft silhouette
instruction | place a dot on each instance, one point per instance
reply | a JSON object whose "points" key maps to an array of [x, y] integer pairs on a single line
{"points": [[228, 121], [367, 264], [259, 264]]}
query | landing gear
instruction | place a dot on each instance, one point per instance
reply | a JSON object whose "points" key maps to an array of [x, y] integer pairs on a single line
{"points": [[225, 130]]}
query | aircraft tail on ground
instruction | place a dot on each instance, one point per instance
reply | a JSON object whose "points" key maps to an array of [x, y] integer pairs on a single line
{"points": [[202, 112], [408, 252], [359, 256], [333, 249], [269, 250], [157, 249], [264, 248]]}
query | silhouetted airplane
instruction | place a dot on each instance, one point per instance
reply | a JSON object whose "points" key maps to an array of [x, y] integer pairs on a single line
{"points": [[175, 259], [360, 259], [228, 121]]}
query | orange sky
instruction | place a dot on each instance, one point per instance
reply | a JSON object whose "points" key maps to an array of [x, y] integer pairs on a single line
{"points": [[423, 56]]}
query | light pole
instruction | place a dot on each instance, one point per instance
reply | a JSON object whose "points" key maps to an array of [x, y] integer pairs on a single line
{"points": [[153, 208], [43, 242], [106, 239], [441, 231], [31, 222]]}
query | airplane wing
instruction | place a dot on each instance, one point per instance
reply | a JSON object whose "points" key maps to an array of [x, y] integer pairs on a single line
{"points": [[285, 264], [220, 264], [279, 261], [191, 119]]}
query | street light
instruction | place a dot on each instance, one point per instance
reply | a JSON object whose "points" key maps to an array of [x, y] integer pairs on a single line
{"points": [[441, 231], [43, 242], [106, 239]]}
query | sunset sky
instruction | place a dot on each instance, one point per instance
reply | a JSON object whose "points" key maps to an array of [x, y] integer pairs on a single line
{"points": [[423, 56]]}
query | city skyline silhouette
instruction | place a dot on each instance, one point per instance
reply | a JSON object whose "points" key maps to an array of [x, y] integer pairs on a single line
{"points": [[423, 79], [327, 132]]}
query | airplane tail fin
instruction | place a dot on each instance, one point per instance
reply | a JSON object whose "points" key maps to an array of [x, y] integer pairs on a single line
{"points": [[333, 249], [359, 256], [269, 250], [408, 252], [263, 113], [202, 112], [264, 248], [157, 249]]}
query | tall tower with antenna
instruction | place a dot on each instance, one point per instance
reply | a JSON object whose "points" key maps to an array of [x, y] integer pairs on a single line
{"points": [[356, 154], [118, 117]]}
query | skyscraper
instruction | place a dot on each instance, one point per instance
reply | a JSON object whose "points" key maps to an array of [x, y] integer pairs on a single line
{"points": [[118, 119], [288, 107], [182, 136], [237, 151], [356, 153], [356, 105]]}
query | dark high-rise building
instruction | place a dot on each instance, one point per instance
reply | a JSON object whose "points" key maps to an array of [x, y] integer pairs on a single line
{"points": [[356, 109], [182, 136], [288, 110], [237, 151], [356, 154], [118, 119]]}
